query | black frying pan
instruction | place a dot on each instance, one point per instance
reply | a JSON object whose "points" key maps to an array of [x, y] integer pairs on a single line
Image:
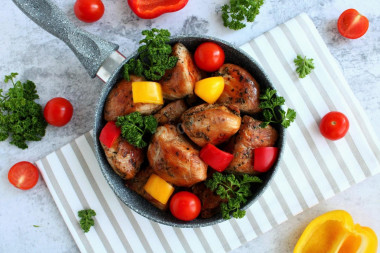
{"points": [[101, 58]]}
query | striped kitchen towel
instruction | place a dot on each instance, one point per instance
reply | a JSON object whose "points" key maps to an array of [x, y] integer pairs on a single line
{"points": [[312, 169]]}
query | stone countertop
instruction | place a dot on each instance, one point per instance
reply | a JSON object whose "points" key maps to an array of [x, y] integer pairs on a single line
{"points": [[38, 56]]}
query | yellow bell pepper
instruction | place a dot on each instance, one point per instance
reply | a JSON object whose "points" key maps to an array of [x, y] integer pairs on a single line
{"points": [[159, 189], [147, 92], [335, 232], [209, 89]]}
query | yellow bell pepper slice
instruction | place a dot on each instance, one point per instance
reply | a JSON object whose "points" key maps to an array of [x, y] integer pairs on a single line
{"points": [[335, 232], [209, 89], [147, 92], [159, 189]]}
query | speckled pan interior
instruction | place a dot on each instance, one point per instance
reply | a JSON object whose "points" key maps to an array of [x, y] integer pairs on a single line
{"points": [[139, 204]]}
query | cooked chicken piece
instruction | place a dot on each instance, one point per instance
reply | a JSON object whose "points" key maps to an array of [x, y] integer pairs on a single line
{"points": [[210, 202], [179, 81], [171, 113], [240, 89], [175, 159], [213, 124], [124, 158], [249, 137], [137, 184], [120, 101]]}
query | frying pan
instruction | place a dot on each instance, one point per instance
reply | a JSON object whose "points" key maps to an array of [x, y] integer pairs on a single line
{"points": [[101, 59]]}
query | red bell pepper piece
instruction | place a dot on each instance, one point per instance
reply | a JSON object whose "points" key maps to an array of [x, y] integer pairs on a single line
{"points": [[109, 134], [264, 158], [149, 9], [215, 158]]}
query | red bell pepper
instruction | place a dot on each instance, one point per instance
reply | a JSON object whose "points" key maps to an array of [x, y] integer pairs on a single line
{"points": [[149, 9], [264, 158], [109, 134], [215, 158]]}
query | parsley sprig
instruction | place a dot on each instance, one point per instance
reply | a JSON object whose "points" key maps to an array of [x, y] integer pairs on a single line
{"points": [[240, 10], [135, 127], [86, 221], [272, 112], [154, 56], [304, 66], [234, 189], [21, 118]]}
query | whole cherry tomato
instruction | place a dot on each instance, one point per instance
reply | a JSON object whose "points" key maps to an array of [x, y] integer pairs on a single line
{"points": [[185, 206], [352, 25], [23, 175], [264, 158], [334, 125], [58, 111], [209, 56], [89, 10]]}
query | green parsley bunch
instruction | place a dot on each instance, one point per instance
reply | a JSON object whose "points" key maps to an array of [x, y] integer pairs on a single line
{"points": [[154, 56], [86, 220], [237, 11], [21, 118], [234, 189], [304, 66], [135, 127], [272, 112]]}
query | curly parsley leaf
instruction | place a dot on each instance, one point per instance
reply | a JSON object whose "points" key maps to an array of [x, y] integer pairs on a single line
{"points": [[237, 11], [304, 66], [86, 220], [235, 189], [135, 128], [154, 56], [271, 111], [21, 118]]}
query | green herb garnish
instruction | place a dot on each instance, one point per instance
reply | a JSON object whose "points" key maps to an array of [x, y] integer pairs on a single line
{"points": [[240, 10], [154, 56], [235, 189], [135, 127], [20, 116], [86, 220], [304, 66], [272, 112], [36, 226]]}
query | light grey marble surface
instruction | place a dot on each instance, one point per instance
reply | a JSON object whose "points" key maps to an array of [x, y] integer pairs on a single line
{"points": [[38, 56]]}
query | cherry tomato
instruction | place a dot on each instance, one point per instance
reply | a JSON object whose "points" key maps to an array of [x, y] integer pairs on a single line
{"points": [[23, 175], [209, 56], [352, 25], [264, 158], [58, 111], [89, 10], [185, 206], [334, 125]]}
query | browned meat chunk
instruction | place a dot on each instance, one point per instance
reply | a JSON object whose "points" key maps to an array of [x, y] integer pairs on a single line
{"points": [[137, 184], [213, 124], [120, 101], [249, 137], [179, 81], [171, 113], [124, 158], [209, 200], [240, 89], [174, 159]]}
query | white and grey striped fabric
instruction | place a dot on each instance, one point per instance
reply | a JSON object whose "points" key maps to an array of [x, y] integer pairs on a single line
{"points": [[312, 168]]}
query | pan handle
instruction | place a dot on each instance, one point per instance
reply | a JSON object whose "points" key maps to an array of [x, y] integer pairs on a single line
{"points": [[91, 50]]}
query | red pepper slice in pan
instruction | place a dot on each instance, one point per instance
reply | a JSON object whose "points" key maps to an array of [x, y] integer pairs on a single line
{"points": [[149, 9], [109, 134], [215, 158]]}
